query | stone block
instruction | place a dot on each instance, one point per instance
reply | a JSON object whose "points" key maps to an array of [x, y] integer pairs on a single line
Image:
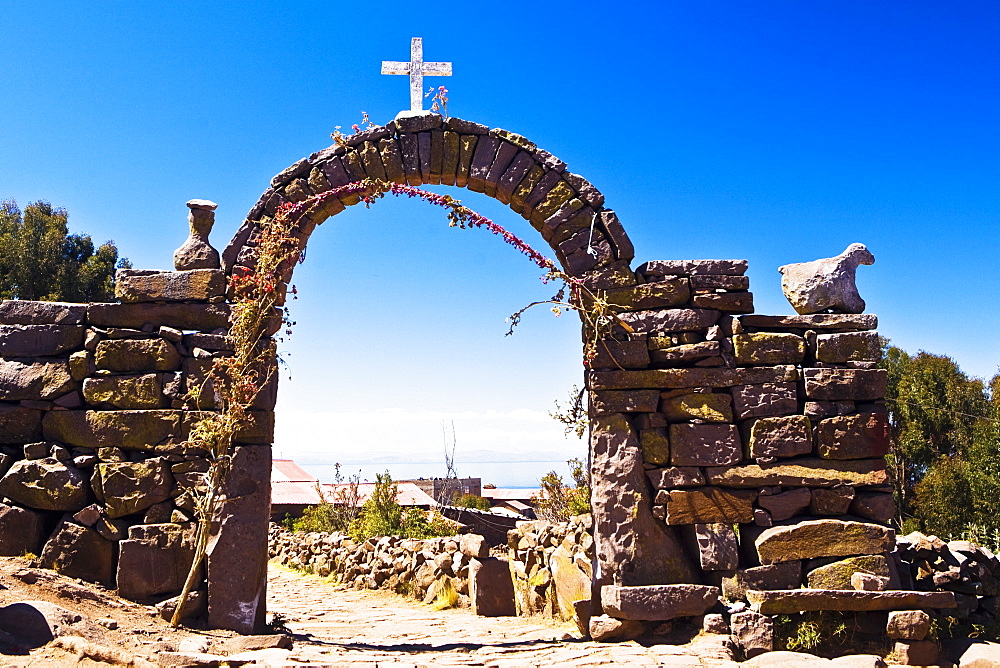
{"points": [[19, 424], [707, 406], [693, 267], [917, 653], [844, 347], [129, 392], [676, 355], [785, 505], [491, 590], [705, 445], [129, 487], [625, 401], [765, 400], [655, 446], [39, 340], [685, 378], [706, 505], [783, 576], [727, 302], [137, 355], [482, 158], [133, 285], [658, 602], [237, 551], [79, 552], [28, 312], [608, 629], [864, 321], [753, 632], [869, 582], [785, 436], [838, 574], [857, 436], [768, 348], [831, 501], [873, 506], [201, 317], [720, 282], [154, 561], [21, 531], [841, 384], [46, 484], [676, 476], [670, 320], [669, 292], [718, 549], [822, 538], [40, 381], [630, 545], [801, 473], [809, 600], [131, 430], [474, 545]]}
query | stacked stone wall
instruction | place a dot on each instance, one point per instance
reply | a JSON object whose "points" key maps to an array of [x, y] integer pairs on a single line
{"points": [[94, 411]]}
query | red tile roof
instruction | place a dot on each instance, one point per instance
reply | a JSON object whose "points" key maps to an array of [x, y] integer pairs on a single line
{"points": [[407, 494], [292, 493], [285, 470], [511, 494]]}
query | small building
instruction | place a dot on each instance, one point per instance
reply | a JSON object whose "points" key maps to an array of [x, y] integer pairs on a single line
{"points": [[445, 489], [292, 489]]}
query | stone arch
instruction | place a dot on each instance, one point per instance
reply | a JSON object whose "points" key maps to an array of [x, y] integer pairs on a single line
{"points": [[563, 207]]}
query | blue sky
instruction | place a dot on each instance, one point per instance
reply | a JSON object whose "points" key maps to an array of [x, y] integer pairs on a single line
{"points": [[773, 131]]}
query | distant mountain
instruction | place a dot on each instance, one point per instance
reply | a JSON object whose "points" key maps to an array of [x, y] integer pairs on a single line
{"points": [[470, 457]]}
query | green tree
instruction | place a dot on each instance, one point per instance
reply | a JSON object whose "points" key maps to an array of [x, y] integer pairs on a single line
{"points": [[381, 515], [559, 501], [40, 260], [946, 445]]}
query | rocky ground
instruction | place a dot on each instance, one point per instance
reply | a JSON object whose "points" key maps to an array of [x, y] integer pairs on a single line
{"points": [[329, 625]]}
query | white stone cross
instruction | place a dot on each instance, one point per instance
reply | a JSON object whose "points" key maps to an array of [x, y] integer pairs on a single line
{"points": [[416, 69]]}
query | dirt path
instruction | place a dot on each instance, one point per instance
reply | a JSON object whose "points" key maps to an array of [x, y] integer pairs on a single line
{"points": [[339, 626]]}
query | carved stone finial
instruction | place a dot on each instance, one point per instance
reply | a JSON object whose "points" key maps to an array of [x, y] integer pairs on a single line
{"points": [[196, 252], [827, 284]]}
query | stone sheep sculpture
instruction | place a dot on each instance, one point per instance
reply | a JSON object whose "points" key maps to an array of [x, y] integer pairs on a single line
{"points": [[826, 285]]}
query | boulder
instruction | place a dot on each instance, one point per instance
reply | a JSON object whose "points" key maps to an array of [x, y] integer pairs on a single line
{"points": [[823, 538], [786, 575], [474, 545], [753, 632], [609, 629], [838, 574], [34, 381], [79, 552], [46, 484], [658, 602], [827, 284], [128, 487], [491, 590], [35, 623], [21, 531], [918, 653], [908, 625], [572, 585]]}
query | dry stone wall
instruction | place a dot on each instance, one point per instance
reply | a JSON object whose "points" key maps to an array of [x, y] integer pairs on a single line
{"points": [[96, 478]]}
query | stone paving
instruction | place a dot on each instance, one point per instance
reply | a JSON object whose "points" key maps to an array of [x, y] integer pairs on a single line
{"points": [[337, 626]]}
